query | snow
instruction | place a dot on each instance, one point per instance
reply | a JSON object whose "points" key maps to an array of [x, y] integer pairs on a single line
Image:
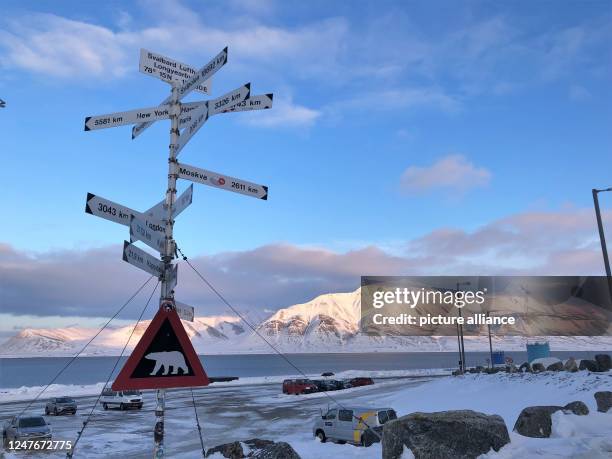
{"points": [[546, 361]]}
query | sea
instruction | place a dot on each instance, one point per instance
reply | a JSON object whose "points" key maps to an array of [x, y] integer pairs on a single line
{"points": [[39, 371]]}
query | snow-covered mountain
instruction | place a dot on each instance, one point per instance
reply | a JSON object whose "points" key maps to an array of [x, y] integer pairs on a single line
{"points": [[328, 323]]}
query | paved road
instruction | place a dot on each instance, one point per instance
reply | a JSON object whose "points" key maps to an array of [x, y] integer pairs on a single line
{"points": [[226, 413]]}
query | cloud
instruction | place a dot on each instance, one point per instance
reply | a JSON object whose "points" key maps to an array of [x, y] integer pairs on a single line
{"points": [[284, 113], [96, 282], [452, 172]]}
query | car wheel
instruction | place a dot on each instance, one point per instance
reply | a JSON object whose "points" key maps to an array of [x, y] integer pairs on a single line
{"points": [[140, 406], [321, 436], [366, 439], [122, 407], [46, 411], [105, 406]]}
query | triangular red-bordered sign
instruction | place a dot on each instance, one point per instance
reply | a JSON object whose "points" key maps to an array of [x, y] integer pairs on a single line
{"points": [[163, 358]]}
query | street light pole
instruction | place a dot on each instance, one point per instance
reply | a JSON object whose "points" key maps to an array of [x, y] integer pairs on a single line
{"points": [[460, 336], [602, 237]]}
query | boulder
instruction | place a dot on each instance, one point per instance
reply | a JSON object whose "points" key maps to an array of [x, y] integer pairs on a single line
{"points": [[589, 365], [536, 421], [570, 365], [577, 407], [557, 366], [255, 448], [537, 368], [604, 400], [604, 362], [458, 434], [525, 368]]}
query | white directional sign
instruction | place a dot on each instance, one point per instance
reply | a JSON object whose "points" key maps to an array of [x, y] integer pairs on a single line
{"points": [[196, 119], [205, 73], [141, 259], [109, 210], [151, 232], [130, 117], [195, 174], [260, 102], [160, 210], [169, 70], [184, 311]]}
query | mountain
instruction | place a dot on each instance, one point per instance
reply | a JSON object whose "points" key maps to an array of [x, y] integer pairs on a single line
{"points": [[328, 323]]}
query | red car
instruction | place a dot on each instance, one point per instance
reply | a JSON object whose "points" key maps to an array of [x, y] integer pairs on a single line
{"points": [[356, 382], [299, 386]]}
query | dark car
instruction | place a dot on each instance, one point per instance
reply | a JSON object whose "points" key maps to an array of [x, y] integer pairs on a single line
{"points": [[356, 382], [325, 385], [299, 386], [61, 405]]}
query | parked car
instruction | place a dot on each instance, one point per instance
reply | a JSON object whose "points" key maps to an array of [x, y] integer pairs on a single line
{"points": [[324, 385], [61, 405], [121, 399], [356, 382], [24, 427], [299, 386], [359, 426]]}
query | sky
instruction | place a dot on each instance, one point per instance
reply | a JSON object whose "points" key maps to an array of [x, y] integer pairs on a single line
{"points": [[405, 138]]}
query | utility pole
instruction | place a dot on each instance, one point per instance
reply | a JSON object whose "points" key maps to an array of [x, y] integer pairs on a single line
{"points": [[602, 237], [461, 343]]}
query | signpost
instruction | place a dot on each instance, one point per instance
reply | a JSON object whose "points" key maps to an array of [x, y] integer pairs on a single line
{"points": [[164, 357], [225, 182]]}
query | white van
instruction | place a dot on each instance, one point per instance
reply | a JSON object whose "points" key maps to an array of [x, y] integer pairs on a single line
{"points": [[359, 426], [122, 399]]}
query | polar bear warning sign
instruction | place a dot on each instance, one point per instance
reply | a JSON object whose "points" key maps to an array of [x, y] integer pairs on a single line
{"points": [[163, 358]]}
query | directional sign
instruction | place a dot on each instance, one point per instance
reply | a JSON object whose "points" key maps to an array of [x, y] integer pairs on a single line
{"points": [[160, 210], [109, 210], [129, 117], [184, 311], [195, 174], [260, 102], [204, 73], [169, 70], [148, 230], [141, 259], [163, 358], [200, 115]]}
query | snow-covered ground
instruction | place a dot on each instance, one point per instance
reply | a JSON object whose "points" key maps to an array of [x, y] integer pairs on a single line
{"points": [[256, 408]]}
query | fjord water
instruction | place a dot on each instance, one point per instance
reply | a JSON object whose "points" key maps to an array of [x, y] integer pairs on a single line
{"points": [[38, 371]]}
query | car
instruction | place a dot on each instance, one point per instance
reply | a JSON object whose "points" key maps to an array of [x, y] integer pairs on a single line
{"points": [[362, 381], [299, 386], [324, 385], [355, 425], [61, 405], [26, 427], [121, 399]]}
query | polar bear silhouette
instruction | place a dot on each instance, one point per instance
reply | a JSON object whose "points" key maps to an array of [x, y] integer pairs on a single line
{"points": [[166, 360]]}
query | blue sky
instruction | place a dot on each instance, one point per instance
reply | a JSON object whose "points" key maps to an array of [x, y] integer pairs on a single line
{"points": [[397, 128]]}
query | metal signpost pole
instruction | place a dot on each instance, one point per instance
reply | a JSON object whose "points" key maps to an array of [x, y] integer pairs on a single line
{"points": [[166, 293], [602, 237]]}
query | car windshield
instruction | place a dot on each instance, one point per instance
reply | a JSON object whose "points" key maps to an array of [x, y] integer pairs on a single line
{"points": [[131, 392], [65, 400], [32, 422], [392, 415]]}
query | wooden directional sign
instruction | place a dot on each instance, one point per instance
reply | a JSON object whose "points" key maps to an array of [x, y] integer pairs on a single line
{"points": [[184, 311], [130, 117], [150, 231], [196, 119], [172, 277], [163, 358], [109, 210], [141, 259], [260, 102], [169, 70], [160, 210], [225, 182], [204, 74]]}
